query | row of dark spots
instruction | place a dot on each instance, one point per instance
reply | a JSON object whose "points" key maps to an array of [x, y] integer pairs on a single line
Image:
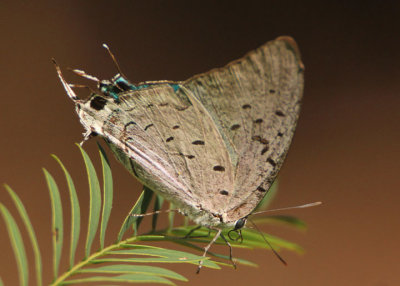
{"points": [[279, 113], [246, 106], [237, 126], [151, 124], [169, 139], [262, 141]]}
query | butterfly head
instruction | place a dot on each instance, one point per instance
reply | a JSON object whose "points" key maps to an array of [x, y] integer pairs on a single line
{"points": [[239, 224]]}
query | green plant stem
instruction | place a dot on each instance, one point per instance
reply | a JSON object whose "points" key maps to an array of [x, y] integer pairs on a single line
{"points": [[75, 269]]}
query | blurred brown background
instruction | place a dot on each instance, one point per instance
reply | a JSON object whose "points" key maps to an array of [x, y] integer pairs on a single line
{"points": [[345, 152]]}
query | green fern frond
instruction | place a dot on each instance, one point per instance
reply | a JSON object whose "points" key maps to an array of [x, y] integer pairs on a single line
{"points": [[135, 259]]}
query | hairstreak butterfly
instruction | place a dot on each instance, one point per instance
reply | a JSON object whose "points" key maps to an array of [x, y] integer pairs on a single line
{"points": [[212, 144]]}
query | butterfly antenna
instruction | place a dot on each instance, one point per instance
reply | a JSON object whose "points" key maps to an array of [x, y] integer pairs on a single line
{"points": [[67, 86], [114, 60], [269, 244], [85, 75], [290, 208], [82, 86]]}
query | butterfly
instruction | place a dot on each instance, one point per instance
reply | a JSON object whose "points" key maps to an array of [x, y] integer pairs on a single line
{"points": [[213, 144]]}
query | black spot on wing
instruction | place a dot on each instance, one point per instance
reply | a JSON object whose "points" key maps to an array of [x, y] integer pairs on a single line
{"points": [[265, 149], [169, 139], [271, 161], [198, 142], [224, 192], [246, 106], [148, 126], [280, 134], [235, 127], [164, 104], [259, 120], [219, 168], [261, 189], [279, 113], [272, 91], [175, 127], [130, 123], [98, 102]]}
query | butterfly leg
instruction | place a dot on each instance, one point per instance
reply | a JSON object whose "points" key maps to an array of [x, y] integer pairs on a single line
{"points": [[188, 235], [197, 236], [207, 248], [191, 231], [230, 251]]}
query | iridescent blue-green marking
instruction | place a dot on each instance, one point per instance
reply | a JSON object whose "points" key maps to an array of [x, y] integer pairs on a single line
{"points": [[120, 84]]}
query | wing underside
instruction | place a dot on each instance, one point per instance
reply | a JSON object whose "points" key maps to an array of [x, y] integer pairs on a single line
{"points": [[217, 142], [255, 103]]}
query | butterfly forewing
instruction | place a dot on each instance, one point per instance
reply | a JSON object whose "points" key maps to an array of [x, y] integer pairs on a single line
{"points": [[176, 142]]}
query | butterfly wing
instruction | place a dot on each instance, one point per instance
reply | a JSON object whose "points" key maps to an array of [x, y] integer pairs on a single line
{"points": [[255, 103], [213, 144], [174, 144]]}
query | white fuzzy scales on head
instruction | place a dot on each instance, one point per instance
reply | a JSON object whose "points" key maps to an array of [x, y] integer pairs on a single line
{"points": [[212, 144]]}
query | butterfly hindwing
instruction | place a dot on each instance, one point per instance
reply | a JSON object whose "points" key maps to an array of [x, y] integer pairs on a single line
{"points": [[254, 102]]}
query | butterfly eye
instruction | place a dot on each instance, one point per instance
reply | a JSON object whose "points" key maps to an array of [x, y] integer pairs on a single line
{"points": [[240, 223]]}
